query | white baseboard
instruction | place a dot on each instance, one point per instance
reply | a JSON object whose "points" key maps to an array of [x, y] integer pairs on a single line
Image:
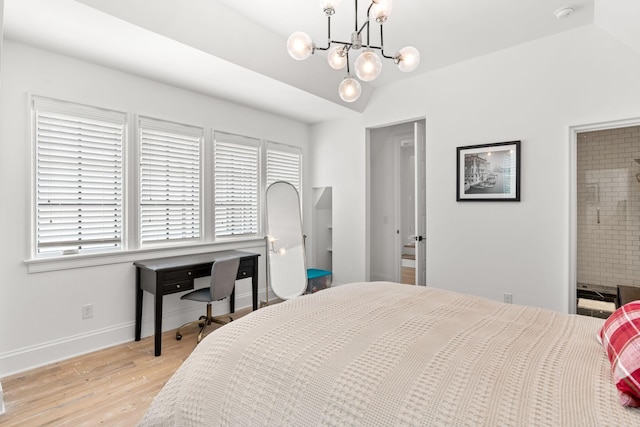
{"points": [[375, 277], [45, 353]]}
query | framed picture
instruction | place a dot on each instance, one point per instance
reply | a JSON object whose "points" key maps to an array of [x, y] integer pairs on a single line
{"points": [[489, 172]]}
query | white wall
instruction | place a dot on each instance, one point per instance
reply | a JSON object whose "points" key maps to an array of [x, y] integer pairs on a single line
{"points": [[40, 314], [533, 93], [1, 38], [382, 212], [338, 154], [1, 43]]}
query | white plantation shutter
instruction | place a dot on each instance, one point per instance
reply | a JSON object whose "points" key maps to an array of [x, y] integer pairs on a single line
{"points": [[169, 181], [78, 177], [284, 164], [236, 183]]}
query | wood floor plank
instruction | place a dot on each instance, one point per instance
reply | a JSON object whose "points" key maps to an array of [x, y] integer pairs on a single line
{"points": [[114, 386]]}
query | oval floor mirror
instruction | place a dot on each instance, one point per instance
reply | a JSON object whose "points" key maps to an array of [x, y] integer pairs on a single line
{"points": [[286, 264]]}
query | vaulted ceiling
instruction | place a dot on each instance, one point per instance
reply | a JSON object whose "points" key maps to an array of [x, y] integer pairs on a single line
{"points": [[235, 49]]}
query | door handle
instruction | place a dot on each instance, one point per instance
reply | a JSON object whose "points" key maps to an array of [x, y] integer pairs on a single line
{"points": [[420, 238]]}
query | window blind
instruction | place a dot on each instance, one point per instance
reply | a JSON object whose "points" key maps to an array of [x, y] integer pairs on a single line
{"points": [[169, 181], [236, 185], [78, 177], [284, 164]]}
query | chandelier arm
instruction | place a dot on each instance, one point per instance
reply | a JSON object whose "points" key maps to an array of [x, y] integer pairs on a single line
{"points": [[329, 41], [356, 26], [382, 44], [328, 31], [367, 23]]}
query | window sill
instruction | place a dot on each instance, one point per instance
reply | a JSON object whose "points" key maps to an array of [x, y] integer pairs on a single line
{"points": [[41, 265]]}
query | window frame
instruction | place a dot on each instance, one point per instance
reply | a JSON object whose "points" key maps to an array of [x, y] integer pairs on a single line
{"points": [[80, 111], [283, 148], [235, 139], [175, 128]]}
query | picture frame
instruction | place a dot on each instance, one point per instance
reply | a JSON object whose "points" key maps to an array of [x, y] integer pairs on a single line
{"points": [[488, 172]]}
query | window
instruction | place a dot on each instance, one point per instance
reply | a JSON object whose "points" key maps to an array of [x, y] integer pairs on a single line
{"points": [[78, 183], [236, 170], [94, 194], [284, 164], [169, 181]]}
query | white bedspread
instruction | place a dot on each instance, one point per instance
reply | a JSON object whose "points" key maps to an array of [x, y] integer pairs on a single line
{"points": [[383, 354]]}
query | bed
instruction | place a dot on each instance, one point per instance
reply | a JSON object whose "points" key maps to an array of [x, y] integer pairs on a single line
{"points": [[382, 354]]}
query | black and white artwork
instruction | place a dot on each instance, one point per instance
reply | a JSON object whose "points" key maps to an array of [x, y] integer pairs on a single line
{"points": [[489, 172]]}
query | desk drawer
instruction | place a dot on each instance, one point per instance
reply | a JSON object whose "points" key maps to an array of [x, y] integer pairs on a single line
{"points": [[244, 269], [186, 274], [172, 288]]}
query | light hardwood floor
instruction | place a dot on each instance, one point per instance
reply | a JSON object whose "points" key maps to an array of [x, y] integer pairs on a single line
{"points": [[113, 387]]}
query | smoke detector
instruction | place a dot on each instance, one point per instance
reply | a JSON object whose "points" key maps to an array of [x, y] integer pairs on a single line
{"points": [[563, 12]]}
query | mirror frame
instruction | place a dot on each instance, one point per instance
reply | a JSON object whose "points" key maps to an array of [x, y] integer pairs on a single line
{"points": [[274, 253]]}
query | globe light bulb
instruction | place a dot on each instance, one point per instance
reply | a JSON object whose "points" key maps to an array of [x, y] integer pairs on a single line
{"points": [[329, 6], [349, 89], [337, 57], [380, 10], [368, 66], [300, 45], [408, 59]]}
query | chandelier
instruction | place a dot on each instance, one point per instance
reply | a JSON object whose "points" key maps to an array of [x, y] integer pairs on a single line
{"points": [[368, 64]]}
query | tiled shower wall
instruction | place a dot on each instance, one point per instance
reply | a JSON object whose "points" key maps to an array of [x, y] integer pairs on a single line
{"points": [[608, 196]]}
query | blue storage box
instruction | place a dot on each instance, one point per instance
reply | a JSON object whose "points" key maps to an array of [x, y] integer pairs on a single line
{"points": [[317, 280]]}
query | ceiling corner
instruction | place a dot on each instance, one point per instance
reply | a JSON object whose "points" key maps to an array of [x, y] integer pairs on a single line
{"points": [[620, 19]]}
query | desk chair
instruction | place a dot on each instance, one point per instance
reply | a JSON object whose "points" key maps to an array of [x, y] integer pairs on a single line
{"points": [[223, 280]]}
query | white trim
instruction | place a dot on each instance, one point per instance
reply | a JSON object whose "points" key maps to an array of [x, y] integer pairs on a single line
{"points": [[397, 210], [573, 194], [71, 111], [40, 265], [31, 357]]}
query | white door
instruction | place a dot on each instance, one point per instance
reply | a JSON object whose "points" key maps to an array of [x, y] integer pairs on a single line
{"points": [[420, 203]]}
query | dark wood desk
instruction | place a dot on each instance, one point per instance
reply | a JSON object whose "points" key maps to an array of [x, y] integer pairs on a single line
{"points": [[163, 276]]}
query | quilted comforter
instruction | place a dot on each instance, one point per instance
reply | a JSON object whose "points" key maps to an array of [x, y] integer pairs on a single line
{"points": [[381, 354]]}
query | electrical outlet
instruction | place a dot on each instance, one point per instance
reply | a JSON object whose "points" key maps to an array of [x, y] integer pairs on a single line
{"points": [[508, 298], [87, 311]]}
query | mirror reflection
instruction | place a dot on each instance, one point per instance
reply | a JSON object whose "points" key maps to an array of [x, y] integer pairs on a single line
{"points": [[286, 265]]}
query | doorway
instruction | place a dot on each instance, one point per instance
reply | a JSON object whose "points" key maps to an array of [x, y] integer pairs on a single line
{"points": [[397, 203], [605, 210]]}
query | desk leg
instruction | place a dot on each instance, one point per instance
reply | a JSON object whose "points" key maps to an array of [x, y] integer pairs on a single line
{"points": [[138, 305], [254, 283], [232, 301], [158, 321]]}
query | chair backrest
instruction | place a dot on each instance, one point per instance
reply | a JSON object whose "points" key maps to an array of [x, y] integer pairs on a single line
{"points": [[223, 277]]}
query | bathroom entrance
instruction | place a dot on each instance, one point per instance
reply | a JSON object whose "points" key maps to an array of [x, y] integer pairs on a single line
{"points": [[397, 203], [607, 218]]}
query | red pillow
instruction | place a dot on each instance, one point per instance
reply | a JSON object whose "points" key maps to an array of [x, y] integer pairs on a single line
{"points": [[620, 337]]}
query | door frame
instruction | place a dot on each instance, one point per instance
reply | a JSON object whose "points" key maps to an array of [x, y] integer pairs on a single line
{"points": [[573, 195], [368, 184], [398, 140]]}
